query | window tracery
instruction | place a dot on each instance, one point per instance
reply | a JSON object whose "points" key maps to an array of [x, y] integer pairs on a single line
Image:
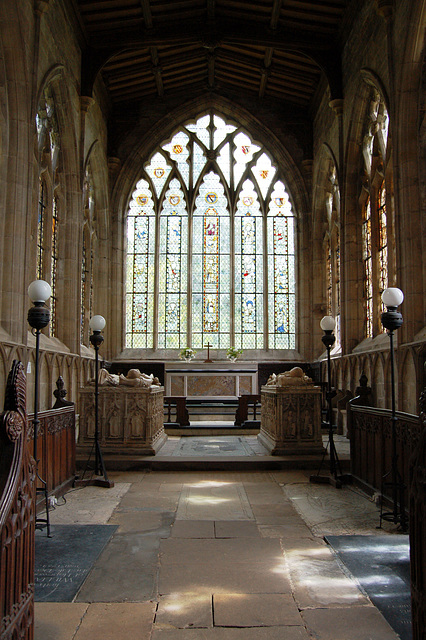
{"points": [[222, 255]]}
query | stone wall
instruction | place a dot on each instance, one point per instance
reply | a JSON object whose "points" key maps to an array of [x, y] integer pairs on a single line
{"points": [[41, 45]]}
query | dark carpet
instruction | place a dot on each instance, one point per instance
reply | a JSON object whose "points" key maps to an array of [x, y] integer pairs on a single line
{"points": [[63, 561], [381, 564]]}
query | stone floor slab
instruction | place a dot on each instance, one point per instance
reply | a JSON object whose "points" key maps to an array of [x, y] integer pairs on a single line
{"points": [[221, 551], [193, 529], [57, 620], [224, 578], [318, 581], [287, 532], [221, 633], [88, 505], [109, 621], [354, 623], [184, 611], [236, 529], [255, 610], [214, 501], [126, 571]]}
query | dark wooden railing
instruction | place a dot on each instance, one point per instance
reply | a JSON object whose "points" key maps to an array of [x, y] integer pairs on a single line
{"points": [[56, 448], [369, 431], [17, 514]]}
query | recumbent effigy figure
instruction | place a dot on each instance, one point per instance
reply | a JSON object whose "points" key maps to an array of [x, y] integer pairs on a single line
{"points": [[134, 378], [293, 378]]}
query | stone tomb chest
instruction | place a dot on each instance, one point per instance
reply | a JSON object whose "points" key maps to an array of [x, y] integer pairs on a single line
{"points": [[291, 415], [130, 419]]}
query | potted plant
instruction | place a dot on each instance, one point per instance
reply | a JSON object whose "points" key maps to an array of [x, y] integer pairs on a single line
{"points": [[187, 354], [233, 354]]}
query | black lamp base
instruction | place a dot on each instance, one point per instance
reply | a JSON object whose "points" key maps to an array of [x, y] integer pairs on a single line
{"points": [[94, 481]]}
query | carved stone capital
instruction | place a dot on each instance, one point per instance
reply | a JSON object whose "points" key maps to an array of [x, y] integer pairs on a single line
{"points": [[385, 8], [114, 165], [85, 103], [337, 106], [40, 6]]}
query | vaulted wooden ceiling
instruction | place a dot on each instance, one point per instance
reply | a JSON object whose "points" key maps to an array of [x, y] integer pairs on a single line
{"points": [[161, 48]]}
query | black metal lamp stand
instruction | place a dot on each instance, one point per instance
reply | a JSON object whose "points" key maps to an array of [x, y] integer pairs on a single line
{"points": [[335, 478], [100, 478], [38, 319], [392, 320]]}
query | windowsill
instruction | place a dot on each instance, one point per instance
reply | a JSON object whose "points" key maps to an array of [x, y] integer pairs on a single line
{"points": [[172, 355], [48, 344], [378, 343]]}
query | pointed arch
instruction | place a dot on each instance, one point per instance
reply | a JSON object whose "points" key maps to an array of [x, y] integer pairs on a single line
{"points": [[204, 278]]}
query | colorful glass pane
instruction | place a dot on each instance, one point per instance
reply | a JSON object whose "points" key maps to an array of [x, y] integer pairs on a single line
{"points": [[383, 241], [158, 170], [54, 267], [243, 154], [329, 278], [140, 266], [157, 273], [40, 228], [173, 268], [210, 248], [281, 270], [248, 269], [368, 269], [264, 172], [179, 152]]}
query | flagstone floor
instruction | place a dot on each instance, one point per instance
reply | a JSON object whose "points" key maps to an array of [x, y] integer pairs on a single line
{"points": [[215, 555]]}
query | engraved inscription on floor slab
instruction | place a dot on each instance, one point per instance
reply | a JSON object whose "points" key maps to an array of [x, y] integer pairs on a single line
{"points": [[220, 446], [214, 500], [325, 511]]}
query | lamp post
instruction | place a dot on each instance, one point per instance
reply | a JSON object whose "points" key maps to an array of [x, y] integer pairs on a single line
{"points": [[392, 320], [335, 478], [97, 323], [39, 292]]}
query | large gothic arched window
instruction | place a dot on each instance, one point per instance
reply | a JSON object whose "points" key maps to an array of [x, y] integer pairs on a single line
{"points": [[210, 244], [376, 203], [48, 143]]}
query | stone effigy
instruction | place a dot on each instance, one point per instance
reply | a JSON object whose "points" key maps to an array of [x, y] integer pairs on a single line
{"points": [[130, 413], [134, 378], [293, 378], [291, 414]]}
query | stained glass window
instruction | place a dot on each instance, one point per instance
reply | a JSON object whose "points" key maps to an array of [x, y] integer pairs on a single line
{"points": [[329, 278], [368, 268], [54, 267], [173, 269], [42, 203], [210, 192], [140, 263], [84, 281], [383, 240], [211, 275], [281, 275], [378, 230], [248, 270]]}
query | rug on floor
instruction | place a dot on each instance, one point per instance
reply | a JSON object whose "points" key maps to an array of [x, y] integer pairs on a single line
{"points": [[63, 561], [381, 564]]}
